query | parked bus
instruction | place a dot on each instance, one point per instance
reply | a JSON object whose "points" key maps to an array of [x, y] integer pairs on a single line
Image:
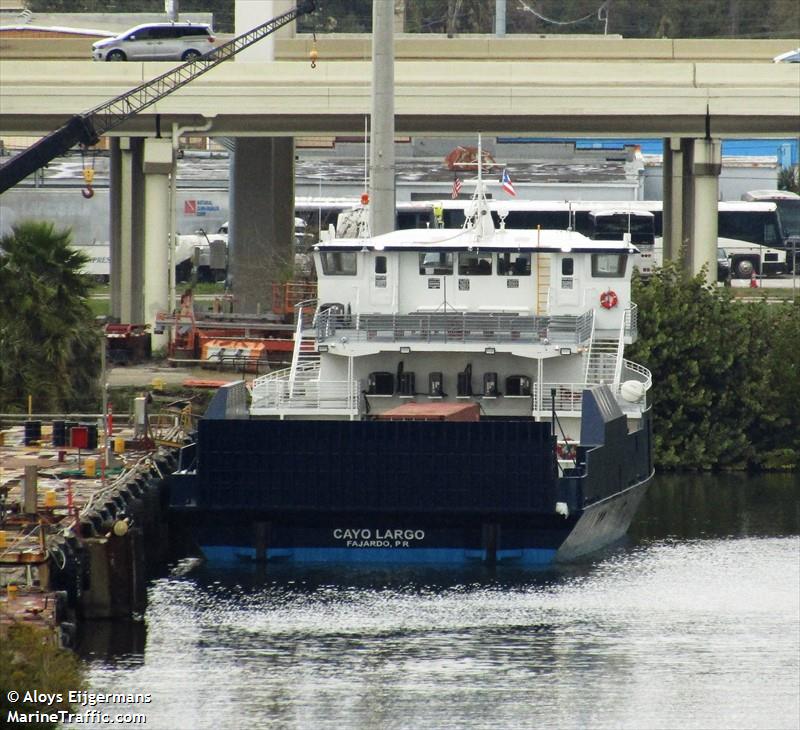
{"points": [[751, 232], [597, 220], [788, 209]]}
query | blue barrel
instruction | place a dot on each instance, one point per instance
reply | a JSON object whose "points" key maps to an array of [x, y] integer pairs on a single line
{"points": [[33, 432], [92, 427], [59, 433]]}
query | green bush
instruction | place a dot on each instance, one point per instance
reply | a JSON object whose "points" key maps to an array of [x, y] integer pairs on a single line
{"points": [[30, 661], [725, 375]]}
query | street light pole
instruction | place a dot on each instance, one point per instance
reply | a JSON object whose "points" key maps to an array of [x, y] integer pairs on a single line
{"points": [[382, 158]]}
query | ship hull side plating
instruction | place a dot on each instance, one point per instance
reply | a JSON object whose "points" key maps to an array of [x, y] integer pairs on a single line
{"points": [[405, 492]]}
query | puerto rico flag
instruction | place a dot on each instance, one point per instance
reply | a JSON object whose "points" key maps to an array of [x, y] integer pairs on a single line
{"points": [[505, 181]]}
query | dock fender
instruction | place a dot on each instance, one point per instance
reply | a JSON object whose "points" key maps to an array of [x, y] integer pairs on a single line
{"points": [[125, 494], [136, 487], [90, 527], [119, 503], [110, 510], [67, 634], [67, 576], [152, 484], [62, 605]]}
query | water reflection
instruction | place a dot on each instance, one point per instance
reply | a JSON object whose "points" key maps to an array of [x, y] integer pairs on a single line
{"points": [[109, 640], [692, 624], [692, 506]]}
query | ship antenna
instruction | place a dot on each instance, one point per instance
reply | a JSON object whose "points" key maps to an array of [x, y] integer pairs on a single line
{"points": [[362, 226], [477, 216], [480, 165]]}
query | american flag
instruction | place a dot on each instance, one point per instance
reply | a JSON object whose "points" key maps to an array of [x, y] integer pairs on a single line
{"points": [[505, 181], [456, 188]]}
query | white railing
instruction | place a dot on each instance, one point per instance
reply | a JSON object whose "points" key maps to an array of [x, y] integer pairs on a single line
{"points": [[631, 321], [326, 395], [280, 397], [633, 371], [456, 327], [620, 350], [568, 398], [260, 384]]}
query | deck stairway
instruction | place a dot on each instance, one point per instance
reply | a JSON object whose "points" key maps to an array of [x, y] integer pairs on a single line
{"points": [[298, 390], [602, 363], [305, 358]]}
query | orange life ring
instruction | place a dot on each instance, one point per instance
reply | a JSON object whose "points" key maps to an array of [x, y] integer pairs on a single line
{"points": [[608, 299]]}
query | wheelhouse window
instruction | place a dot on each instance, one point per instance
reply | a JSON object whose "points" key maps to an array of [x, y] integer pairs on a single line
{"points": [[436, 263], [338, 263], [608, 265], [380, 264], [567, 267], [474, 264], [514, 264]]}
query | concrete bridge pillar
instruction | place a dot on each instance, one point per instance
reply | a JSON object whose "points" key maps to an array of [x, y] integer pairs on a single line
{"points": [[261, 225], [672, 212], [126, 197], [381, 142], [691, 194], [706, 165], [157, 165], [261, 190]]}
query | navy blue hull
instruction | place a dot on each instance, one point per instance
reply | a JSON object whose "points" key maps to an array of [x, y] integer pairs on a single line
{"points": [[345, 538], [407, 491]]}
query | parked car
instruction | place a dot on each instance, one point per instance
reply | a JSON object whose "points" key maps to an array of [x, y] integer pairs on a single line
{"points": [[788, 57], [156, 42], [723, 266]]}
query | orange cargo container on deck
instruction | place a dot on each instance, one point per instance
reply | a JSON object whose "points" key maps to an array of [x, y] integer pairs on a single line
{"points": [[212, 348], [432, 412]]}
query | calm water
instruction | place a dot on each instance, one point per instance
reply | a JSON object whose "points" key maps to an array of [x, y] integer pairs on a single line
{"points": [[693, 623]]}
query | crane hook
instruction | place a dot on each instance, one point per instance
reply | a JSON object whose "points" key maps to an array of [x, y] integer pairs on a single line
{"points": [[313, 54], [88, 176]]}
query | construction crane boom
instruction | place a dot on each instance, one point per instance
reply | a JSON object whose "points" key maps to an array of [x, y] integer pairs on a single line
{"points": [[87, 128]]}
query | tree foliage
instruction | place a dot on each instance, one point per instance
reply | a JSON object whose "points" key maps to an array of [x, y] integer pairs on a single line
{"points": [[49, 345], [789, 179], [630, 18], [726, 378]]}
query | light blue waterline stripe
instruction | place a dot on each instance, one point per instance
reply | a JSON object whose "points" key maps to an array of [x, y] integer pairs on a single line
{"points": [[527, 556]]}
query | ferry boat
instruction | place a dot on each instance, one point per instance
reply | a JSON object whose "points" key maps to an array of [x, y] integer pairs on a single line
{"points": [[454, 395]]}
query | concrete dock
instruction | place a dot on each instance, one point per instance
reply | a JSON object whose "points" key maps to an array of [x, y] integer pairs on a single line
{"points": [[81, 531]]}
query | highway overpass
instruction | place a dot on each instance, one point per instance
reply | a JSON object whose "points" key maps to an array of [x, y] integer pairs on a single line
{"points": [[689, 94], [528, 85]]}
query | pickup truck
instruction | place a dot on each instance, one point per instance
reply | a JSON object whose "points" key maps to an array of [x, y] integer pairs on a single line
{"points": [[207, 253]]}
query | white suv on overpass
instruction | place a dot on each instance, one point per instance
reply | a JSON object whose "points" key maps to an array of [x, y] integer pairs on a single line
{"points": [[156, 42]]}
